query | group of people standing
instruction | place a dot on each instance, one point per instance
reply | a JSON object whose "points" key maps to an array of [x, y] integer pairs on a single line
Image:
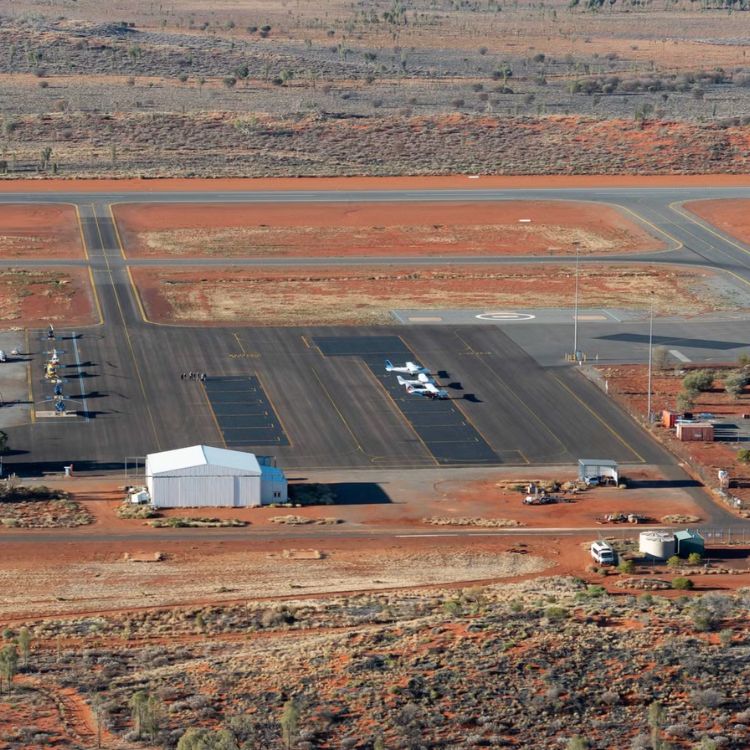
{"points": [[193, 376]]}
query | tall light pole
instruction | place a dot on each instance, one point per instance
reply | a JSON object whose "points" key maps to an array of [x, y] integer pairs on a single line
{"points": [[650, 357], [575, 306]]}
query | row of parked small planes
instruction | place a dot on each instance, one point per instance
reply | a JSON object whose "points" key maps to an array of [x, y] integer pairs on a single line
{"points": [[424, 385]]}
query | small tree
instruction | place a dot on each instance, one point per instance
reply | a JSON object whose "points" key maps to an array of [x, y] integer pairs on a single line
{"points": [[290, 722], [735, 382], [660, 357], [626, 566], [698, 380], [674, 562], [743, 455], [694, 558], [655, 720], [8, 665], [685, 401], [24, 644]]}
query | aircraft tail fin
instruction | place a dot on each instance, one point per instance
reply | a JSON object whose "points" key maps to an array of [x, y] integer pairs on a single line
{"points": [[388, 365]]}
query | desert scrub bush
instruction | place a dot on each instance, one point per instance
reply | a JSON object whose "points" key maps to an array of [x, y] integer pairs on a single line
{"points": [[131, 510], [682, 584], [196, 522], [708, 698], [694, 558], [556, 614], [626, 566]]}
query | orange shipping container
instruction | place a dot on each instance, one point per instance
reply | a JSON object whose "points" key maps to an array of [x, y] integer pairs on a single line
{"points": [[668, 418]]}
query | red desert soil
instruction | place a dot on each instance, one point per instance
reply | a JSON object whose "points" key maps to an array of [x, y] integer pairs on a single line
{"points": [[373, 183], [29, 231], [628, 385], [366, 295], [35, 297], [347, 229], [730, 215]]}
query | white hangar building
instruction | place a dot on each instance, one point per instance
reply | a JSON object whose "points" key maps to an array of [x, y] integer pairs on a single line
{"points": [[201, 476]]}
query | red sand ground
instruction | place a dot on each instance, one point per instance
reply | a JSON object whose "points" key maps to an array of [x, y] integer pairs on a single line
{"points": [[730, 215], [365, 295], [374, 183], [29, 231], [627, 384], [381, 229], [36, 296]]}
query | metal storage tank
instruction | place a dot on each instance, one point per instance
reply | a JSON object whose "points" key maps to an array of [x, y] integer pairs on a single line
{"points": [[658, 545]]}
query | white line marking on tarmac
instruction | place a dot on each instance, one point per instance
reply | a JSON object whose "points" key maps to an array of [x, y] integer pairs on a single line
{"points": [[679, 355], [80, 378]]}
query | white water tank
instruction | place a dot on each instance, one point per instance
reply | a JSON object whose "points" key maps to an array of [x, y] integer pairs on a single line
{"points": [[658, 545]]}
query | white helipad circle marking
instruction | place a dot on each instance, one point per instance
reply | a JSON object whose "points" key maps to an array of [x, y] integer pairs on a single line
{"points": [[505, 316]]}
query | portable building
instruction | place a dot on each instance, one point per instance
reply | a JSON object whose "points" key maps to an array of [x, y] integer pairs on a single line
{"points": [[689, 541], [202, 476], [597, 467], [695, 431], [668, 418]]}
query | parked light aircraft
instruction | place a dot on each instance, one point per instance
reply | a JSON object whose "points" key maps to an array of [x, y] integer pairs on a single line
{"points": [[420, 382], [409, 368], [428, 390], [424, 386]]}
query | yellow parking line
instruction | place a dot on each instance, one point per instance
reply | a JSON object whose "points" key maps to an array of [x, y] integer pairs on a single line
{"points": [[679, 208], [599, 419], [213, 415], [678, 243], [276, 411], [412, 429], [338, 411], [117, 230], [127, 335]]}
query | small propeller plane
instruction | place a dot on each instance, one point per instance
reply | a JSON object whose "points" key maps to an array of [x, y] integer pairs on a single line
{"points": [[428, 390], [409, 368], [420, 382]]}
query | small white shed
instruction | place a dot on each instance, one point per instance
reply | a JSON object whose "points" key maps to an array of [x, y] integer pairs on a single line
{"points": [[202, 476]]}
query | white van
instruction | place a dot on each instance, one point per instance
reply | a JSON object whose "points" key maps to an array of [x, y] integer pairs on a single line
{"points": [[603, 553]]}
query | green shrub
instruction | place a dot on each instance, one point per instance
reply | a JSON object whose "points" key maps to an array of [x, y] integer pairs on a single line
{"points": [[626, 566], [682, 584], [556, 613], [674, 562], [694, 558], [699, 380]]}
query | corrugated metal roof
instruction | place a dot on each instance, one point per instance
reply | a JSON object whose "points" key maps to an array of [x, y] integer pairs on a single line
{"points": [[687, 534], [201, 455], [597, 462]]}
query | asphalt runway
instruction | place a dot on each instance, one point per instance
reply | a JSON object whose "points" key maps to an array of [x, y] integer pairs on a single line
{"points": [[326, 411]]}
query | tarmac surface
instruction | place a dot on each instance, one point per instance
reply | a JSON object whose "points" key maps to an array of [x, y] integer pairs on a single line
{"points": [[317, 398]]}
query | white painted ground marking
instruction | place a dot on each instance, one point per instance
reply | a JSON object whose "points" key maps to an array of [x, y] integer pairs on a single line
{"points": [[679, 355], [504, 317], [524, 221]]}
